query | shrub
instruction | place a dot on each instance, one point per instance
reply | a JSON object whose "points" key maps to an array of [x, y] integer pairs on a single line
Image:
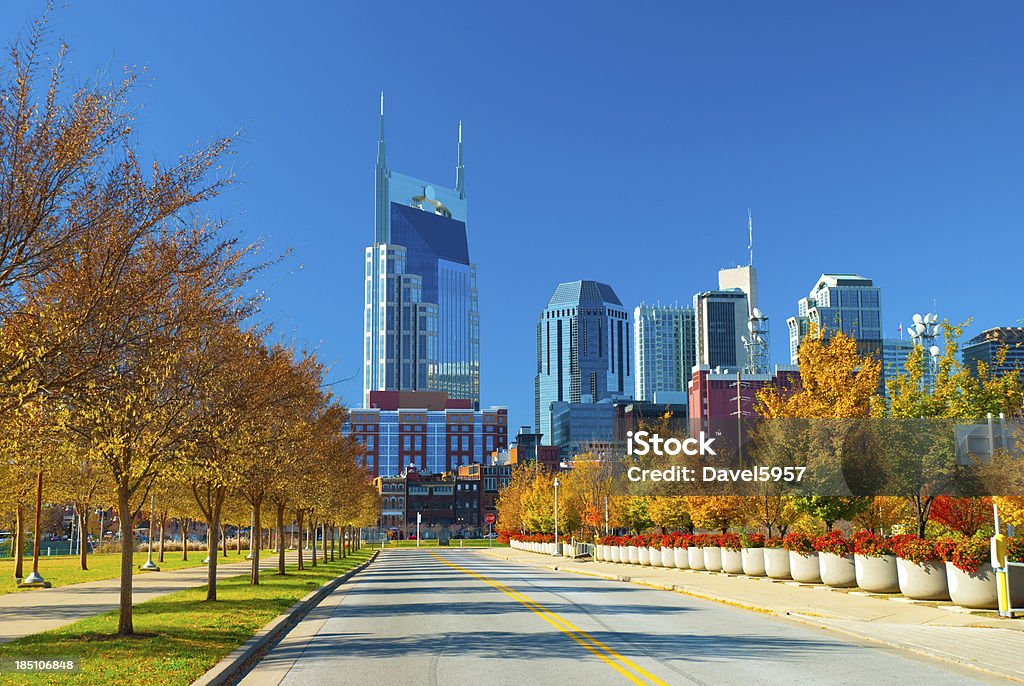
{"points": [[753, 540], [1015, 549], [730, 541], [945, 547], [640, 541], [871, 544], [655, 540], [799, 542], [915, 549], [970, 553], [681, 540], [774, 542], [833, 542]]}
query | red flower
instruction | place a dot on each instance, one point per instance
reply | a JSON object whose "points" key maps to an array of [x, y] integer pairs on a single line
{"points": [[833, 542], [970, 553], [799, 543]]}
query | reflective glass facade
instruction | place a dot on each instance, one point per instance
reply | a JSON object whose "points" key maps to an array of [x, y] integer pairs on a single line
{"points": [[421, 322], [840, 302], [664, 341], [584, 352]]}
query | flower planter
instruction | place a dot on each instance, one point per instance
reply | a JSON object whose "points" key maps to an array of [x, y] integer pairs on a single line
{"points": [[667, 558], [804, 567], [633, 555], [681, 558], [732, 561], [556, 548], [976, 591], [713, 558], [644, 555], [877, 574], [837, 571], [776, 563], [615, 553], [752, 560], [655, 555], [695, 557], [922, 581], [598, 553]]}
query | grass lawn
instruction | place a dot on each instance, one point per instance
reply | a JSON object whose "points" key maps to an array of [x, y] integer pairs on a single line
{"points": [[63, 571], [180, 635]]}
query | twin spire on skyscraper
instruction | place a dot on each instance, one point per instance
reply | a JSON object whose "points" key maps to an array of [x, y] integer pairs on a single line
{"points": [[460, 170]]}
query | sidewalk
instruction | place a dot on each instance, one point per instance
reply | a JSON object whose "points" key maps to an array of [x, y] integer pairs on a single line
{"points": [[30, 612], [983, 641]]}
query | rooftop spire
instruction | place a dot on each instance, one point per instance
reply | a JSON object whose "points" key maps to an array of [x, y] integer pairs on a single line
{"points": [[460, 172], [750, 243], [380, 141]]}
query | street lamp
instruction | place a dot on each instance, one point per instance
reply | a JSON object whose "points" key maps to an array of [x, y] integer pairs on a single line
{"points": [[149, 565], [556, 515], [923, 332]]}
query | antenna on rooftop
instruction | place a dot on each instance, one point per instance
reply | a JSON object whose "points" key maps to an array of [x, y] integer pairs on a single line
{"points": [[750, 242]]}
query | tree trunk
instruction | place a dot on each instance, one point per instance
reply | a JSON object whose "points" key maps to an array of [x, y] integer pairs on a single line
{"points": [[212, 531], [312, 542], [124, 620], [83, 540], [238, 539], [323, 541], [334, 539], [298, 527], [163, 526], [254, 545], [18, 544], [280, 538], [35, 530], [184, 538]]}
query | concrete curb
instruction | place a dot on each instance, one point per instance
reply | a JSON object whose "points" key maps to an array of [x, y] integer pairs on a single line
{"points": [[239, 661]]}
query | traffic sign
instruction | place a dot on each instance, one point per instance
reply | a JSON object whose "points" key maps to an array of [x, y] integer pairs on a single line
{"points": [[490, 518]]}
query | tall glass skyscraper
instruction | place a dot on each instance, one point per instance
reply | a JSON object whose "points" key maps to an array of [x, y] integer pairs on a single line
{"points": [[583, 350], [664, 340], [421, 322], [840, 302]]}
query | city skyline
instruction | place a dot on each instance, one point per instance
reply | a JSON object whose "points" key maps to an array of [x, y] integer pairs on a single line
{"points": [[876, 162]]}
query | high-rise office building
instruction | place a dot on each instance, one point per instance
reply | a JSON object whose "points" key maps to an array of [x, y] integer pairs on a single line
{"points": [[583, 350], [421, 322], [664, 340], [721, 319], [895, 352], [986, 347], [840, 302]]}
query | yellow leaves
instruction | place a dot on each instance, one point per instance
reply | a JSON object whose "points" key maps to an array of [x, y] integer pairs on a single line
{"points": [[835, 382]]}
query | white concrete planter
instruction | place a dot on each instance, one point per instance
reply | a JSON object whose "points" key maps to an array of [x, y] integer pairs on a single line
{"points": [[644, 555], [695, 558], [667, 559], [681, 558], [752, 560], [732, 561], [976, 591], [877, 574], [633, 555], [776, 563], [804, 568], [925, 581], [655, 555], [556, 548], [599, 553], [616, 553], [837, 571], [713, 558]]}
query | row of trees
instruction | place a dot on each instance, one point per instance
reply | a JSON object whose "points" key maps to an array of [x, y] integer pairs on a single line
{"points": [[835, 422], [129, 358]]}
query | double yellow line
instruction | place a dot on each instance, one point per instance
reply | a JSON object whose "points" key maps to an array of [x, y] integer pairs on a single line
{"points": [[621, 664]]}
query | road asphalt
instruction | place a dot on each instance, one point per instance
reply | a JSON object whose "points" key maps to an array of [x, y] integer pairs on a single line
{"points": [[451, 617]]}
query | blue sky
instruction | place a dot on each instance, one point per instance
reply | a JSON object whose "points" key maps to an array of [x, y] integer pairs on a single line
{"points": [[617, 142]]}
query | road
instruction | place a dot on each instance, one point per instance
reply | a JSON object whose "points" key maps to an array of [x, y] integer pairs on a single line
{"points": [[419, 617]]}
